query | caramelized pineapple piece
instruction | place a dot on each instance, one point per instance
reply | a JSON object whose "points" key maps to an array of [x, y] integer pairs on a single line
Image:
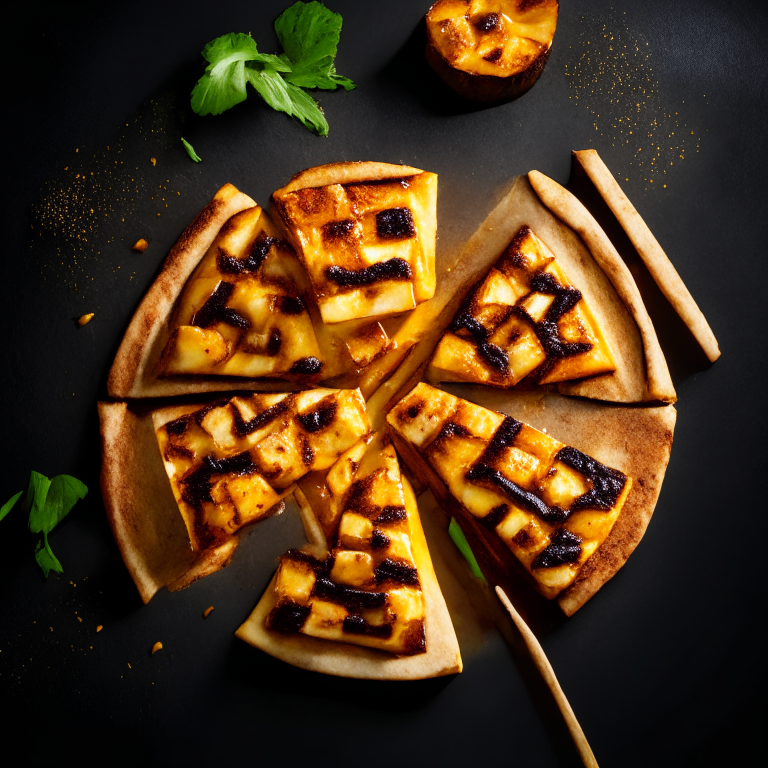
{"points": [[231, 462], [368, 245], [551, 504], [241, 311], [525, 320], [490, 50], [368, 590]]}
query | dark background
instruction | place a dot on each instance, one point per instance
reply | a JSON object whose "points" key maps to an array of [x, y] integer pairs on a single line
{"points": [[661, 667]]}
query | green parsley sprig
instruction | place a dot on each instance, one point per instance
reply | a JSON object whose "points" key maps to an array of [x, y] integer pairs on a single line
{"points": [[48, 502], [309, 34]]}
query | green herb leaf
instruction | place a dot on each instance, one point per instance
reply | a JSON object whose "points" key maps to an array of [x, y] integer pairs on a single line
{"points": [[191, 150], [285, 97], [64, 493], [34, 501], [9, 505], [460, 540], [45, 557], [309, 34]]}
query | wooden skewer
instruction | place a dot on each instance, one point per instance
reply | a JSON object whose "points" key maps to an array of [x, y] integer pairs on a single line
{"points": [[545, 668]]}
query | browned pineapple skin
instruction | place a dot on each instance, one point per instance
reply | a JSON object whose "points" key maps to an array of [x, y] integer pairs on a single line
{"points": [[490, 50], [524, 321], [550, 504], [367, 591], [231, 462]]}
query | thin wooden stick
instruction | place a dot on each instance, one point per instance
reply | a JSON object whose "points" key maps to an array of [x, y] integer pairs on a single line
{"points": [[545, 668]]}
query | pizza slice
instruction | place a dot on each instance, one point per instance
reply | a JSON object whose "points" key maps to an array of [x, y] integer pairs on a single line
{"points": [[525, 320], [365, 233], [367, 579], [550, 504]]}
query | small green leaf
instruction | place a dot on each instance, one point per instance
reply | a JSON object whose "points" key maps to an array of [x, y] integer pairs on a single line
{"points": [[9, 505], [190, 150], [37, 491], [45, 557], [460, 540], [64, 493]]}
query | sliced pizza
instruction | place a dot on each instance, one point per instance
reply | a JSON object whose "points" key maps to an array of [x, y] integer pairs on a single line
{"points": [[230, 462], [550, 504], [525, 320], [365, 233]]}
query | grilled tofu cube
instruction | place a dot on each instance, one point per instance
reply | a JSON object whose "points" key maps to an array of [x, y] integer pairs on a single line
{"points": [[353, 568], [295, 580]]}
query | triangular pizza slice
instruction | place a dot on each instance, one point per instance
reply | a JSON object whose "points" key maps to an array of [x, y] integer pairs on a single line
{"points": [[550, 504], [525, 320], [371, 585]]}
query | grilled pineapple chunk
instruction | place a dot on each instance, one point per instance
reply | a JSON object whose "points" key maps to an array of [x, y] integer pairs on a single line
{"points": [[490, 50], [368, 245], [241, 312], [367, 591], [231, 462], [524, 320], [551, 504]]}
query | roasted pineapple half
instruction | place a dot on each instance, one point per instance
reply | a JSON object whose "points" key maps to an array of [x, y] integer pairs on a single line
{"points": [[524, 320], [230, 462], [551, 504], [490, 50], [365, 233], [241, 312], [367, 591]]}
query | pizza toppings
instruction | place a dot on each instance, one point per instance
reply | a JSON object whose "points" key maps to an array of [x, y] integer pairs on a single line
{"points": [[367, 590], [550, 504], [368, 246], [524, 321], [232, 461]]}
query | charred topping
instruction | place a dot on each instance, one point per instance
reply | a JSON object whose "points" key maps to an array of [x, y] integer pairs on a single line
{"points": [[389, 570], [521, 497], [338, 229], [495, 356], [390, 514], [494, 55], [244, 428], [554, 347], [275, 342], [395, 224], [320, 567], [318, 419], [392, 269], [379, 540], [487, 22], [215, 310], [495, 516], [307, 454], [288, 618], [465, 321], [290, 305], [415, 410], [403, 181], [504, 437], [357, 625], [251, 263], [607, 483], [306, 366], [451, 429], [177, 426], [565, 548], [196, 487], [350, 598]]}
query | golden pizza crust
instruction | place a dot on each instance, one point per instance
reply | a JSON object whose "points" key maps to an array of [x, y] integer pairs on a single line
{"points": [[134, 371], [346, 173], [141, 509], [442, 656], [636, 441], [649, 250], [657, 384]]}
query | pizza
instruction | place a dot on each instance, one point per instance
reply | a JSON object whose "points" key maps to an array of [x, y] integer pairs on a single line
{"points": [[542, 348]]}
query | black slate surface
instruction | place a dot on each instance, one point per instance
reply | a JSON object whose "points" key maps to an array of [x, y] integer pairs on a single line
{"points": [[660, 667]]}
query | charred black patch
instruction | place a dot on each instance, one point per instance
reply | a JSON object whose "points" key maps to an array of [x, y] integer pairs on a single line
{"points": [[307, 454], [275, 342], [392, 269], [607, 483], [306, 366], [337, 230], [486, 22], [565, 548], [177, 426], [379, 540], [196, 487], [320, 418], [288, 618], [390, 570], [549, 335], [357, 625], [395, 224], [504, 437], [390, 514], [353, 599], [494, 55], [244, 428], [465, 322], [252, 262], [290, 305], [215, 310], [495, 356]]}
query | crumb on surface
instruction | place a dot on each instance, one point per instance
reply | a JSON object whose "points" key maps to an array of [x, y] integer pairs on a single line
{"points": [[99, 628], [207, 611], [85, 319], [153, 161], [156, 647], [140, 245]]}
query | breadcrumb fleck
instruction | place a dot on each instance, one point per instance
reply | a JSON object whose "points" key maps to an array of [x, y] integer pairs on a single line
{"points": [[153, 161], [85, 319], [99, 628], [207, 611], [140, 245], [158, 646]]}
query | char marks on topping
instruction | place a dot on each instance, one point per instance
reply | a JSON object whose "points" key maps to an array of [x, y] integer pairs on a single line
{"points": [[288, 618], [607, 483], [350, 598], [395, 224], [392, 269], [565, 548], [390, 570], [318, 419], [244, 428], [486, 22], [390, 514], [306, 366], [215, 310], [196, 487], [291, 305], [357, 625], [275, 342], [258, 252], [336, 230]]}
